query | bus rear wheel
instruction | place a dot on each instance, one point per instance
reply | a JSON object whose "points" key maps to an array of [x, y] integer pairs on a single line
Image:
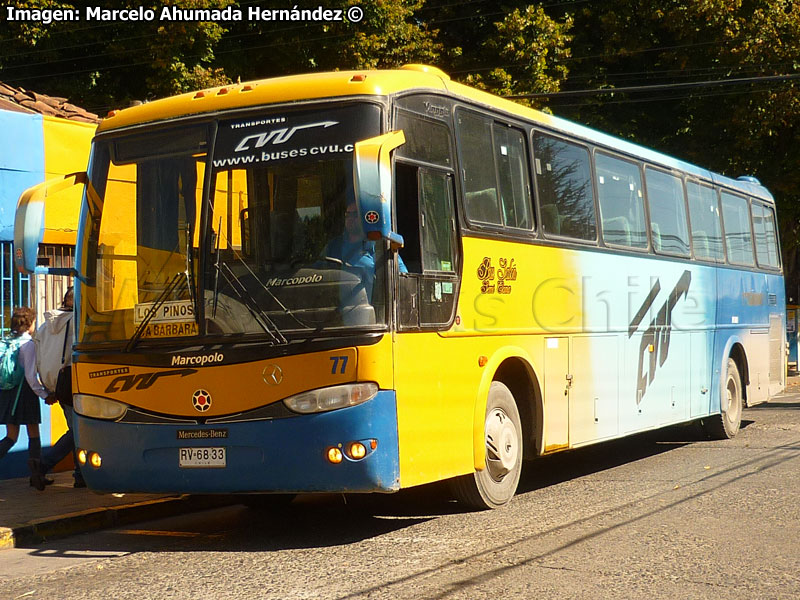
{"points": [[496, 484], [726, 424]]}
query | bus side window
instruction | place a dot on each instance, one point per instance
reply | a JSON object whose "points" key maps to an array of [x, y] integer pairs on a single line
{"points": [[667, 213], [766, 238], [512, 177], [619, 186], [704, 217], [407, 209], [481, 200], [564, 188], [738, 237], [426, 220]]}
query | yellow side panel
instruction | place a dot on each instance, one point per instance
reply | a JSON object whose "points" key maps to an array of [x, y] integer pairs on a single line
{"points": [[437, 381], [512, 297], [66, 150]]}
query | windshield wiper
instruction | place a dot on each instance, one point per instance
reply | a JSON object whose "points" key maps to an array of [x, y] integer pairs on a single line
{"points": [[259, 315], [162, 297], [190, 283]]}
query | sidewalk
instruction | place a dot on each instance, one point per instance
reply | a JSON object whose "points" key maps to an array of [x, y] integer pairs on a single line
{"points": [[28, 516]]}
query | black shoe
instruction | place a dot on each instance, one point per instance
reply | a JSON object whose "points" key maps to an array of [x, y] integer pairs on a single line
{"points": [[37, 480], [43, 470]]}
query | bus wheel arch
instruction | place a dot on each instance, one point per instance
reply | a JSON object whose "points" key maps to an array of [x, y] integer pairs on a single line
{"points": [[521, 380], [739, 356], [508, 412]]}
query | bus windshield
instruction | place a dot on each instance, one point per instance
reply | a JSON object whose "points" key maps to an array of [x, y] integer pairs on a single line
{"points": [[282, 253]]}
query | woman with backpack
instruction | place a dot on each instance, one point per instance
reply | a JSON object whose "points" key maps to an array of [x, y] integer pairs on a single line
{"points": [[19, 405]]}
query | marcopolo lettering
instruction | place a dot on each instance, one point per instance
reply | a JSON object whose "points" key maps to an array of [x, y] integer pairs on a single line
{"points": [[277, 282], [199, 361]]}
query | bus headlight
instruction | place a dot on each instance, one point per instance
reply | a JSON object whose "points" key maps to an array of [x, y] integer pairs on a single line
{"points": [[331, 398], [98, 407]]}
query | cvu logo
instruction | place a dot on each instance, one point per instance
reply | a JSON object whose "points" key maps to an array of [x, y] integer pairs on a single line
{"points": [[277, 136]]}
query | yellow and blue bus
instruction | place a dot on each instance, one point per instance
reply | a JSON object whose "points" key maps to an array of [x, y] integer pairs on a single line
{"points": [[366, 281]]}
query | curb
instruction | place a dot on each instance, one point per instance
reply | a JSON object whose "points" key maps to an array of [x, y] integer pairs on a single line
{"points": [[96, 519]]}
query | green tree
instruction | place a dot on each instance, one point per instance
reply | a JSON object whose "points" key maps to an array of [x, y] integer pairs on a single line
{"points": [[528, 48]]}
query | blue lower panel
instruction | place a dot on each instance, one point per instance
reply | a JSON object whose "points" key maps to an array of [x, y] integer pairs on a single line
{"points": [[280, 455]]}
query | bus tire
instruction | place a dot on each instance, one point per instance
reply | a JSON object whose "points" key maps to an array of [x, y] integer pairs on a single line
{"points": [[496, 484], [726, 424]]}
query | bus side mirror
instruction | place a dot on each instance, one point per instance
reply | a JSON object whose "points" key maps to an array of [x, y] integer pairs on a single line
{"points": [[372, 179], [29, 221]]}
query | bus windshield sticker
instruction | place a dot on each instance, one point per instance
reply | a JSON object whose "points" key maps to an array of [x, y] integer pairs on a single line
{"points": [[297, 136], [171, 311], [162, 330]]}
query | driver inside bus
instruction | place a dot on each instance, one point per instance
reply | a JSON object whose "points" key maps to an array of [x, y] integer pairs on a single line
{"points": [[356, 252]]}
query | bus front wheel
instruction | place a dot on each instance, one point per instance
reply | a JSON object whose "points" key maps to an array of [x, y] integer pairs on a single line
{"points": [[726, 424], [496, 484]]}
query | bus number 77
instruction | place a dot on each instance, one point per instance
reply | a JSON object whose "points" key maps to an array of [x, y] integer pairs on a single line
{"points": [[336, 360]]}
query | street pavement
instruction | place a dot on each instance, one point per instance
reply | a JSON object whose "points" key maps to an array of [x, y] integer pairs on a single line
{"points": [[28, 516]]}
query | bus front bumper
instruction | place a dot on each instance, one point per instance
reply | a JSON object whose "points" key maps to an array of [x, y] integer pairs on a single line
{"points": [[278, 455]]}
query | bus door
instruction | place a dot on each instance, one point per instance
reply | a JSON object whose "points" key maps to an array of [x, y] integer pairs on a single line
{"points": [[434, 420]]}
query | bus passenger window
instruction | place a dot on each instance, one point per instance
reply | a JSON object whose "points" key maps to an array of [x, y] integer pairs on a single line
{"points": [[667, 213], [704, 216], [512, 171], [738, 237], [480, 185], [766, 239], [437, 224], [564, 188], [619, 186]]}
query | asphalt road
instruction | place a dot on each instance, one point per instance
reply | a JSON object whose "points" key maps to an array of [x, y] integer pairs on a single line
{"points": [[662, 515]]}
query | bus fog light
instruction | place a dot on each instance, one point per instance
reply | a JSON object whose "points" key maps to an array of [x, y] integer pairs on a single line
{"points": [[334, 455], [357, 451], [82, 456], [95, 460]]}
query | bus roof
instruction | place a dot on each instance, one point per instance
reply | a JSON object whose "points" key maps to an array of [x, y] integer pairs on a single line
{"points": [[339, 84]]}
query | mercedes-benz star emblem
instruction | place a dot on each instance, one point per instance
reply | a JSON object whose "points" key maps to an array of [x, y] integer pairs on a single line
{"points": [[272, 374]]}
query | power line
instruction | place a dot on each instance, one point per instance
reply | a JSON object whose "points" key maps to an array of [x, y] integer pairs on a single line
{"points": [[659, 87]]}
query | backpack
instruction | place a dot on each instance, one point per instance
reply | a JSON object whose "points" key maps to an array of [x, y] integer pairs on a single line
{"points": [[11, 370], [53, 351]]}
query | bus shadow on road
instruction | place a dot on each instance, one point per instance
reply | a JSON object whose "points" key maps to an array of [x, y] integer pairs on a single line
{"points": [[563, 466]]}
